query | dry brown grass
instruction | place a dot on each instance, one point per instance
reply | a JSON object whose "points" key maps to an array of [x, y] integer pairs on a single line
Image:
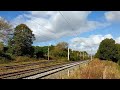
{"points": [[98, 69]]}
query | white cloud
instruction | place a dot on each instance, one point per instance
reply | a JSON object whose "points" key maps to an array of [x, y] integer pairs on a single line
{"points": [[19, 19], [86, 44], [118, 40], [112, 16], [56, 26]]}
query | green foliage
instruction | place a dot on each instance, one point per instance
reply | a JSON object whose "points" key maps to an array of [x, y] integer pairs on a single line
{"points": [[23, 58], [108, 50], [117, 53], [4, 60], [59, 51], [4, 57], [41, 52], [74, 56], [62, 46], [21, 43]]}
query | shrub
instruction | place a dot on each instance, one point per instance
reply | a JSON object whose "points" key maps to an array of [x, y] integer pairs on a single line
{"points": [[3, 60], [74, 56], [24, 59], [6, 56]]}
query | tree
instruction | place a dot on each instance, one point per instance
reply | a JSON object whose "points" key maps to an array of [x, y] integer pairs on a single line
{"points": [[5, 30], [107, 50], [41, 52], [3, 55], [117, 53], [74, 55], [21, 43], [62, 46], [60, 50], [1, 48]]}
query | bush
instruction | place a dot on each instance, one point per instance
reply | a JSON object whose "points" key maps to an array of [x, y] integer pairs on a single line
{"points": [[4, 60], [6, 56], [108, 50], [24, 59], [74, 58]]}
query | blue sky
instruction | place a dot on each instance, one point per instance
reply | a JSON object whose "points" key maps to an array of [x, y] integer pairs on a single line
{"points": [[9, 15], [88, 25], [95, 15]]}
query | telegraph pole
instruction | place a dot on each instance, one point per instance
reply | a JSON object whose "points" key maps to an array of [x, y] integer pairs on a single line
{"points": [[91, 53], [91, 56], [68, 53], [48, 52], [80, 55], [83, 55]]}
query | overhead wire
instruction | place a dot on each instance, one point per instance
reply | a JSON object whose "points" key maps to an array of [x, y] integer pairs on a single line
{"points": [[67, 21]]}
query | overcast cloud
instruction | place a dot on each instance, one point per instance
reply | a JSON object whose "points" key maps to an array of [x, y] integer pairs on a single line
{"points": [[112, 16]]}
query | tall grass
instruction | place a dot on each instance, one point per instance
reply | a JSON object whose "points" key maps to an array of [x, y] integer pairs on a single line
{"points": [[98, 69], [23, 59]]}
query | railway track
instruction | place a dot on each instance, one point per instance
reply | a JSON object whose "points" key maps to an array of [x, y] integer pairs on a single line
{"points": [[40, 71], [54, 70], [21, 72], [24, 65]]}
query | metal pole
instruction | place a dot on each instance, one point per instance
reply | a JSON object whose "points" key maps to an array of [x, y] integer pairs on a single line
{"points": [[80, 55], [48, 52], [91, 53], [83, 55], [68, 73], [68, 54]]}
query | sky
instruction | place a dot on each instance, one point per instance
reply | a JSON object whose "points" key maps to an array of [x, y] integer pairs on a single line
{"points": [[82, 30]]}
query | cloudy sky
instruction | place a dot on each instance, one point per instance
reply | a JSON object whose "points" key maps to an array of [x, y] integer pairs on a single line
{"points": [[83, 30]]}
